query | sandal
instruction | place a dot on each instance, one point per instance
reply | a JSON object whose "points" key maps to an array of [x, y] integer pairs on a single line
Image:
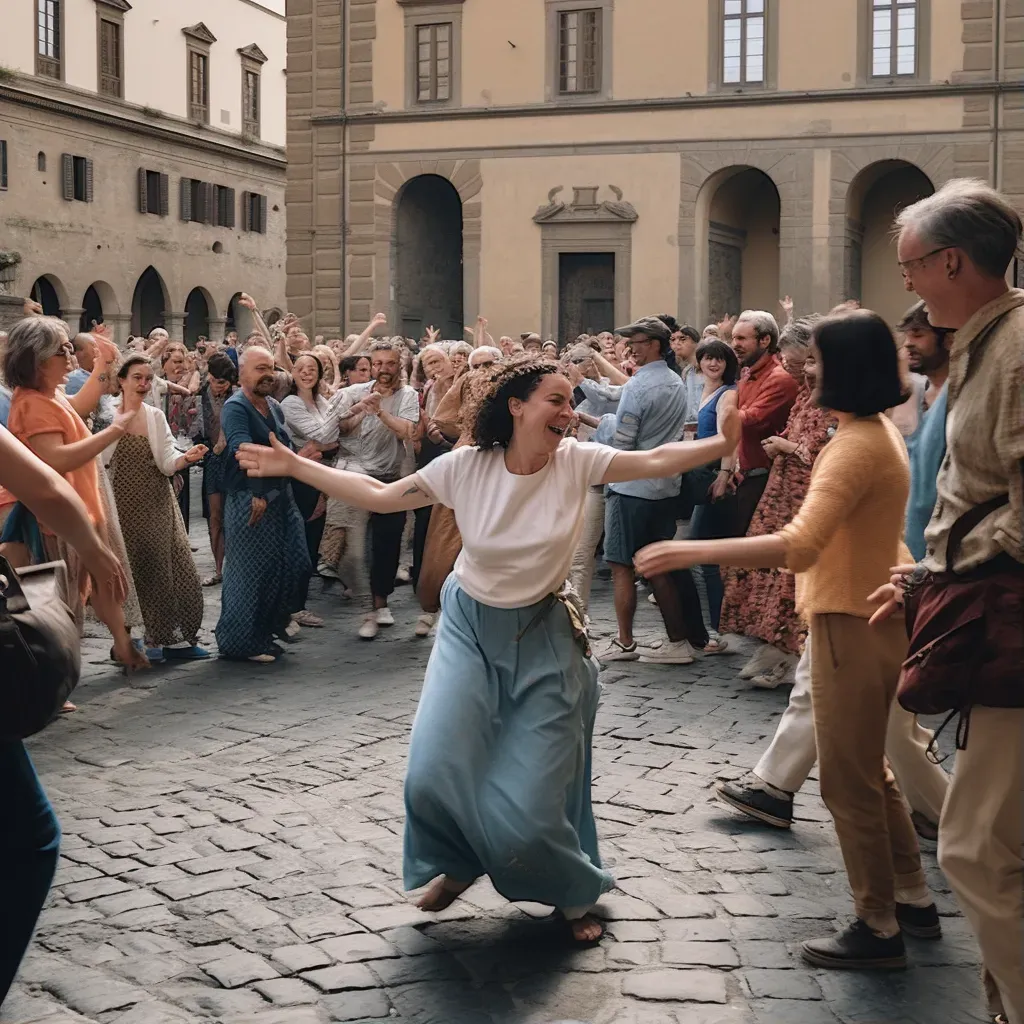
{"points": [[713, 647], [581, 943], [307, 618], [68, 707], [212, 581]]}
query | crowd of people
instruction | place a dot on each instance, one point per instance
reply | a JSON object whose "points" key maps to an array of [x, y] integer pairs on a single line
{"points": [[770, 481]]}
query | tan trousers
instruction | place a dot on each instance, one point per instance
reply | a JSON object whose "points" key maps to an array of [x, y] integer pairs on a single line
{"points": [[980, 849], [581, 574], [854, 671]]}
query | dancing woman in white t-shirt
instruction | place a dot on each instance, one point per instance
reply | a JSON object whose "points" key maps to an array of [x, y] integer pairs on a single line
{"points": [[498, 781]]}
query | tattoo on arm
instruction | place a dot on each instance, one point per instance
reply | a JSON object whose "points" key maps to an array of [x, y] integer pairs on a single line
{"points": [[412, 490]]}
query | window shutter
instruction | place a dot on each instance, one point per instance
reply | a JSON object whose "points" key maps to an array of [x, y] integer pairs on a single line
{"points": [[209, 203], [263, 215], [229, 212], [67, 167], [186, 198], [143, 195], [88, 181], [164, 195], [246, 219]]}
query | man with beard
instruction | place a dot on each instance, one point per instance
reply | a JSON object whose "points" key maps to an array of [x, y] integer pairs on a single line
{"points": [[765, 395], [266, 563], [927, 351], [383, 433]]}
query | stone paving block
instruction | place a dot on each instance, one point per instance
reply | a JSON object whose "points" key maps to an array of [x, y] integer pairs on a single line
{"points": [[286, 991], [614, 907], [746, 906], [201, 884], [223, 861], [208, 1001], [300, 957], [319, 926], [779, 984], [635, 931], [360, 1006], [764, 954], [154, 970], [91, 992], [133, 899], [676, 986], [341, 977], [358, 946], [79, 892], [697, 930], [429, 967], [378, 919], [792, 1011], [239, 969], [410, 941], [704, 954]]}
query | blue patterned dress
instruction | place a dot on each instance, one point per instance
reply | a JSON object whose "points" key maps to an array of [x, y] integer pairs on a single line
{"points": [[266, 565]]}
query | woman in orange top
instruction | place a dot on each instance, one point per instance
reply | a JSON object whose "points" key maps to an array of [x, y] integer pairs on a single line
{"points": [[36, 360]]}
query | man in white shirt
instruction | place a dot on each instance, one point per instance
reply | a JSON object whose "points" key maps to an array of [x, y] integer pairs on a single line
{"points": [[383, 434]]}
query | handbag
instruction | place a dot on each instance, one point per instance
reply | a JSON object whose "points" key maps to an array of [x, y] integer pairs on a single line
{"points": [[40, 652], [966, 632]]}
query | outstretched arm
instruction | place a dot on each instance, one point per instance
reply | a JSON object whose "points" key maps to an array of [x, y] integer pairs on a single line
{"points": [[351, 488], [379, 319]]}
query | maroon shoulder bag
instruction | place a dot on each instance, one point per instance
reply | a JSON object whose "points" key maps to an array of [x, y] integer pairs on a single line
{"points": [[966, 632]]}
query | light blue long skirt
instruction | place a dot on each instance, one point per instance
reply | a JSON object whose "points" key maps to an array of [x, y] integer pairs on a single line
{"points": [[498, 782]]}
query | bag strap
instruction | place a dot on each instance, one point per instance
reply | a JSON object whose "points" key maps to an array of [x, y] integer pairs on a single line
{"points": [[12, 596], [967, 522]]}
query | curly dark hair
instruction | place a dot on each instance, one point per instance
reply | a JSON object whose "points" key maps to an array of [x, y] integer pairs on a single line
{"points": [[491, 417]]}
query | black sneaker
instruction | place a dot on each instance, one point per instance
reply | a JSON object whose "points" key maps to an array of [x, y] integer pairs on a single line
{"points": [[857, 948], [921, 922], [751, 799]]}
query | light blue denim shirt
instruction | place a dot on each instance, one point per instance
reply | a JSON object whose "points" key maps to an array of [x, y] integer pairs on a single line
{"points": [[927, 449], [602, 397], [652, 412]]}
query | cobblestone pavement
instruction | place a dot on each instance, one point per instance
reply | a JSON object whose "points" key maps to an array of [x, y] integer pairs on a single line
{"points": [[232, 846]]}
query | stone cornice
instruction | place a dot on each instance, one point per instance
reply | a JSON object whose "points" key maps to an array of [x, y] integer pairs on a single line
{"points": [[200, 33], [86, 106], [712, 100], [254, 53]]}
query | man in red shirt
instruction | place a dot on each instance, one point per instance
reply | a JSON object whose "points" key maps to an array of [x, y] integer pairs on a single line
{"points": [[765, 395]]}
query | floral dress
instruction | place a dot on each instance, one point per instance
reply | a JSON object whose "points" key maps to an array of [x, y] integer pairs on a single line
{"points": [[762, 602]]}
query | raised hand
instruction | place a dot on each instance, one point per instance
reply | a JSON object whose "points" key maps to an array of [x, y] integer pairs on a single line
{"points": [[108, 351], [246, 300], [379, 320], [259, 461]]}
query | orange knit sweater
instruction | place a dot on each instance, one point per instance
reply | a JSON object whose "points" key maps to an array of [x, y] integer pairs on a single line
{"points": [[849, 530]]}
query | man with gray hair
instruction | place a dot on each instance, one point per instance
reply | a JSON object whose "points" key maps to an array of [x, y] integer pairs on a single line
{"points": [[765, 394], [954, 250]]}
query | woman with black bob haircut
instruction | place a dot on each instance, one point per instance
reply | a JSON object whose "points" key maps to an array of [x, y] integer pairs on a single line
{"points": [[858, 364], [841, 544], [715, 349], [498, 780]]}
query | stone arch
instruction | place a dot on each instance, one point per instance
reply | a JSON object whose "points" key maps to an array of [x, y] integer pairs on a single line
{"points": [[98, 303], [854, 169], [426, 258], [239, 318], [704, 173], [371, 281], [200, 309], [49, 291], [150, 301]]}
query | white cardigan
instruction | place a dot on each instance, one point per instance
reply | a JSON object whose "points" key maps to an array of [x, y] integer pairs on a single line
{"points": [[161, 442]]}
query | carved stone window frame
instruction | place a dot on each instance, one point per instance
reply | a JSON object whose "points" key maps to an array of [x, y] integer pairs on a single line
{"points": [[552, 11], [198, 40], [253, 59], [420, 13], [112, 11], [42, 62], [865, 40], [586, 225]]}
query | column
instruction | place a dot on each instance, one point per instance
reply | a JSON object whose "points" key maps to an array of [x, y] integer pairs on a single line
{"points": [[174, 324], [216, 325], [120, 325], [72, 316]]}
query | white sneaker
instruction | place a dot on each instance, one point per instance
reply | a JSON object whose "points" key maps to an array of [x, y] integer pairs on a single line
{"points": [[403, 575], [763, 658], [424, 624], [651, 599], [384, 617], [615, 650], [368, 630], [775, 676], [292, 628], [669, 653]]}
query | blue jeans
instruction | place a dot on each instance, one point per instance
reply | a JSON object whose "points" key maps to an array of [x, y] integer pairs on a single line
{"points": [[29, 846], [713, 521]]}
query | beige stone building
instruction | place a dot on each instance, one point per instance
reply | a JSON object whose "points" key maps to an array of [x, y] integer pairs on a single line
{"points": [[142, 163], [566, 164]]}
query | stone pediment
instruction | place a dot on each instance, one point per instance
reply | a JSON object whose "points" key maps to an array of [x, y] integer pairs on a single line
{"points": [[200, 33], [253, 53], [585, 207], [118, 5]]}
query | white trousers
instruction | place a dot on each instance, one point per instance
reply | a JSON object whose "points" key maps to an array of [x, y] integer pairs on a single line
{"points": [[791, 755]]}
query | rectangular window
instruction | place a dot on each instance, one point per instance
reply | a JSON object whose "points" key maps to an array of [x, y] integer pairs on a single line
{"points": [[76, 178], [251, 103], [153, 192], [743, 35], [3, 165], [110, 59], [48, 38], [579, 51], [433, 63], [198, 87], [894, 38], [254, 212], [223, 206]]}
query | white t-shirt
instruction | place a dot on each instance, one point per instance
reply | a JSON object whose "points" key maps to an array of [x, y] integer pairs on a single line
{"points": [[518, 532]]}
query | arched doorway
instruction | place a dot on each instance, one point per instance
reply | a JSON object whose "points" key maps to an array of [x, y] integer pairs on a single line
{"points": [[743, 241], [49, 293], [149, 302], [97, 303], [239, 319], [427, 258], [197, 317], [878, 193]]}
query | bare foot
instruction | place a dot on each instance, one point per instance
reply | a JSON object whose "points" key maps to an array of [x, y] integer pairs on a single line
{"points": [[68, 707], [441, 894], [587, 929]]}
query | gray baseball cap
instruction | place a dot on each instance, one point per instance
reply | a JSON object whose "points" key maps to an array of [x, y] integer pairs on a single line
{"points": [[651, 326]]}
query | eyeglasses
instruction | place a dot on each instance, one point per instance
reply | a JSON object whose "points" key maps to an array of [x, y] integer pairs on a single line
{"points": [[907, 266]]}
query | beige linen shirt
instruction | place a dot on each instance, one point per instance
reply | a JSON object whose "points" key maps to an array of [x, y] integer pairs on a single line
{"points": [[984, 437]]}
